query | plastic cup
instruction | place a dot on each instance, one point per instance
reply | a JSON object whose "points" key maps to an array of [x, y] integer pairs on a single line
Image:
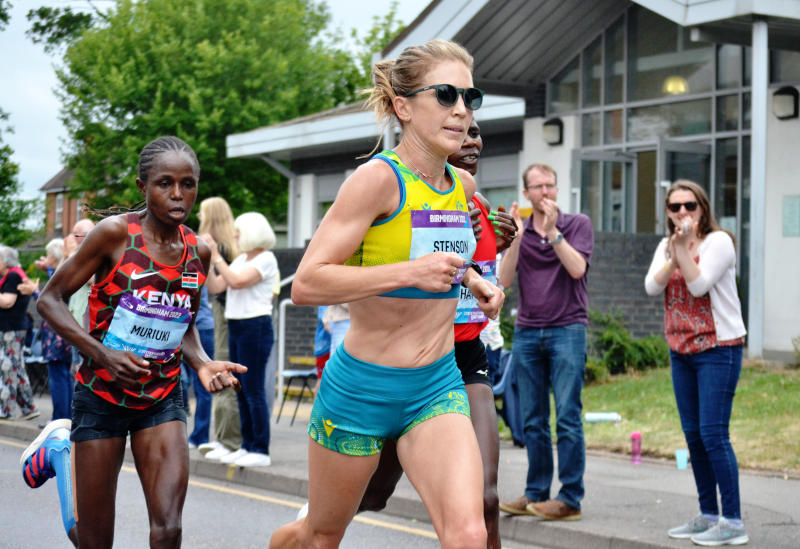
{"points": [[682, 457]]}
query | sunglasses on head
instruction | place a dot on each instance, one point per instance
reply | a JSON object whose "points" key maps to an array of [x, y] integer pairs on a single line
{"points": [[447, 95], [675, 207]]}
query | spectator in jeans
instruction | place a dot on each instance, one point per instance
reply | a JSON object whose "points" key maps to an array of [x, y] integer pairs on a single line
{"points": [[202, 411], [249, 282], [695, 268], [549, 349]]}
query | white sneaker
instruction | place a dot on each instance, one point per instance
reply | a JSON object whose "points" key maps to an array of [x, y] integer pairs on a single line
{"points": [[207, 447], [253, 459], [302, 512], [233, 456], [219, 453]]}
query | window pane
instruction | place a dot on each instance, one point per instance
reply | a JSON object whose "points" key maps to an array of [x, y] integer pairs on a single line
{"points": [[748, 65], [501, 196], [613, 130], [563, 89], [729, 66], [746, 111], [618, 198], [727, 113], [592, 192], [662, 61], [743, 243], [615, 61], [726, 174], [670, 120], [591, 129], [592, 72], [694, 166], [784, 66]]}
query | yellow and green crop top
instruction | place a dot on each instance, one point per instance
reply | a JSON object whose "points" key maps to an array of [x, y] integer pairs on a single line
{"points": [[427, 220]]}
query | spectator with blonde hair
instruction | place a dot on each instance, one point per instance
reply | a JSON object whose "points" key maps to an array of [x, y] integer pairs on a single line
{"points": [[248, 283], [379, 248], [216, 219]]}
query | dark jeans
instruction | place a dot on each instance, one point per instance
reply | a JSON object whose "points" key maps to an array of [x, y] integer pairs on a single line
{"points": [[704, 385], [249, 344], [61, 387], [546, 358], [202, 411]]}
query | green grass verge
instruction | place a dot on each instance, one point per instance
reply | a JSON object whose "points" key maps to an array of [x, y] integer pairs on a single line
{"points": [[765, 424]]}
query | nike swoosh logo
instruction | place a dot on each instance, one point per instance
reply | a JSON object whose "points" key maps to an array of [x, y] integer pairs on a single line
{"points": [[141, 274], [482, 372]]}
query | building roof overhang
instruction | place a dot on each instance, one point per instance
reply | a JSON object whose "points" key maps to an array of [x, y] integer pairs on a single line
{"points": [[518, 44], [350, 128]]}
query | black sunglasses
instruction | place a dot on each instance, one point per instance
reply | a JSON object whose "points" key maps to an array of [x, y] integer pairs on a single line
{"points": [[447, 95], [675, 207]]}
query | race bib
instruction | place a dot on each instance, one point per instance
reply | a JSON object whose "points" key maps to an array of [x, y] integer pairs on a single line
{"points": [[442, 231], [468, 311], [152, 331]]}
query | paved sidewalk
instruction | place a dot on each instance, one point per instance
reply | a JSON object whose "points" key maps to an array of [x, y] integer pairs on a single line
{"points": [[626, 506]]}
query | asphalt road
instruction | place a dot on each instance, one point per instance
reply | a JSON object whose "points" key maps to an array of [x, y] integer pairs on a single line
{"points": [[215, 515]]}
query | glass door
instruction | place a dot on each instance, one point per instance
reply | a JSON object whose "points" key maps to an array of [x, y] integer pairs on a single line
{"points": [[678, 160], [607, 192]]}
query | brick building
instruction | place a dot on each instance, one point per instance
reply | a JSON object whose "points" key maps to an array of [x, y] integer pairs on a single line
{"points": [[61, 210]]}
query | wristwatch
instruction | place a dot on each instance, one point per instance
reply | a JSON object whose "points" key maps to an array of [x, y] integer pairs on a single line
{"points": [[471, 264], [559, 237]]}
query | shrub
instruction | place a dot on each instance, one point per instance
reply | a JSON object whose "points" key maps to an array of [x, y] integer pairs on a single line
{"points": [[796, 345], [613, 348], [596, 371]]}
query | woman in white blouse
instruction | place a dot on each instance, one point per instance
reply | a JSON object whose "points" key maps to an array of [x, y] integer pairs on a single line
{"points": [[248, 282], [695, 268]]}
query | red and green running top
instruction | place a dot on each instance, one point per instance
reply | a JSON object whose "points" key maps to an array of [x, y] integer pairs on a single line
{"points": [[145, 307]]}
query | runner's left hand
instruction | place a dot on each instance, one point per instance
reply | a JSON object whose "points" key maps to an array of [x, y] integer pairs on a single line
{"points": [[218, 374], [490, 297]]}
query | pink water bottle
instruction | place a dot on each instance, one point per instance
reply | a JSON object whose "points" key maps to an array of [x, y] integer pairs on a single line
{"points": [[636, 447]]}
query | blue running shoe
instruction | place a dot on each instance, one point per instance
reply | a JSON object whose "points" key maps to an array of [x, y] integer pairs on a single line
{"points": [[35, 460]]}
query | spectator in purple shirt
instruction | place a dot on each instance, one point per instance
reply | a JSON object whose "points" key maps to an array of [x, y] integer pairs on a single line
{"points": [[549, 349]]}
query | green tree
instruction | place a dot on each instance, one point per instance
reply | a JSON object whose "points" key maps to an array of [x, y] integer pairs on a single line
{"points": [[199, 70], [384, 29], [5, 7], [55, 27], [16, 212]]}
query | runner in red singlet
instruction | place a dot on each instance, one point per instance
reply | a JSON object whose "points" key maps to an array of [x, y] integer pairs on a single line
{"points": [[150, 269]]}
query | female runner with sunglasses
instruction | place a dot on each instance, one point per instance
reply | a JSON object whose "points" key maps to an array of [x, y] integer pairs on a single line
{"points": [[695, 267], [395, 244]]}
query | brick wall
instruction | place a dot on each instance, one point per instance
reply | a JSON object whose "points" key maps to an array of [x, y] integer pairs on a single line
{"points": [[616, 280], [301, 320]]}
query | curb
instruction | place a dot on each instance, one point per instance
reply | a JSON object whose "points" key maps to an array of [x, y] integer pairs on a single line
{"points": [[291, 481], [520, 529]]}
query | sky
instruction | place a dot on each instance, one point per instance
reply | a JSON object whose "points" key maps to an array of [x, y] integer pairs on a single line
{"points": [[28, 83]]}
